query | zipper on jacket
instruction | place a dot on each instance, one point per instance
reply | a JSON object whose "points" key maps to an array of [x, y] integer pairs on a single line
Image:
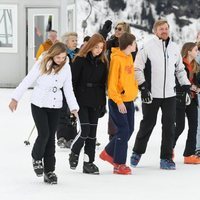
{"points": [[164, 51]]}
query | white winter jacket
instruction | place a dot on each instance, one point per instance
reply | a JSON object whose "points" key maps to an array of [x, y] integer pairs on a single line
{"points": [[47, 91], [159, 64]]}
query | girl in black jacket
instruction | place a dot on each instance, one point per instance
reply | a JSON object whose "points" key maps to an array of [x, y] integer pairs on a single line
{"points": [[89, 76]]}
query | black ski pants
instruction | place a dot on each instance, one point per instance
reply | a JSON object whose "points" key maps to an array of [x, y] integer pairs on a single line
{"points": [[150, 111], [89, 120], [46, 120], [191, 113]]}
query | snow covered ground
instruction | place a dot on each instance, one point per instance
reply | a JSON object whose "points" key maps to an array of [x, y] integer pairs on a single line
{"points": [[147, 181]]}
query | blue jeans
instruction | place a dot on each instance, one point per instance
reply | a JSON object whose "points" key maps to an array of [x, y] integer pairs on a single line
{"points": [[118, 146], [198, 126]]}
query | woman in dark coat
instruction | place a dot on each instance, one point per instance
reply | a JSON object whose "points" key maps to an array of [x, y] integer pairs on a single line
{"points": [[89, 76], [66, 130]]}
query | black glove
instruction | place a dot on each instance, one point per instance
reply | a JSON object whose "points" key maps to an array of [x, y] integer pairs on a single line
{"points": [[102, 111], [145, 93], [106, 28], [187, 99], [186, 88]]}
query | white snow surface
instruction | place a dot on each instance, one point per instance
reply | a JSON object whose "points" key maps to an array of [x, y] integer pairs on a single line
{"points": [[147, 181]]}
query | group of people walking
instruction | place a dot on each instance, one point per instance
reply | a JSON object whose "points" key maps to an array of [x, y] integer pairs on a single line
{"points": [[71, 84]]}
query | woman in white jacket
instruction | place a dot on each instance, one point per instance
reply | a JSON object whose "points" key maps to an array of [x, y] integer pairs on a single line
{"points": [[50, 74]]}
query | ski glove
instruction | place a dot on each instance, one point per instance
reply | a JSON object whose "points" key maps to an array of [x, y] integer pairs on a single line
{"points": [[187, 99], [146, 96], [106, 28], [102, 111], [186, 88]]}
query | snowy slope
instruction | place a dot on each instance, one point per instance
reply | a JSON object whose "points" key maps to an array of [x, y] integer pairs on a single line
{"points": [[147, 182]]}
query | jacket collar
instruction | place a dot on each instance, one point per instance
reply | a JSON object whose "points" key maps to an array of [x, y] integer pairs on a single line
{"points": [[160, 41], [91, 58]]}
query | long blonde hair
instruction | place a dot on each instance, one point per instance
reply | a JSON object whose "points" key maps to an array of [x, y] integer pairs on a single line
{"points": [[188, 46], [47, 64], [92, 42], [125, 25]]}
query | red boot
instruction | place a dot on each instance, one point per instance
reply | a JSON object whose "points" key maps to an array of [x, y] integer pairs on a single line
{"points": [[104, 156], [121, 169], [193, 159]]}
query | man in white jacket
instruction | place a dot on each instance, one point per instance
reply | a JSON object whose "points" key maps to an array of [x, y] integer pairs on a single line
{"points": [[157, 66]]}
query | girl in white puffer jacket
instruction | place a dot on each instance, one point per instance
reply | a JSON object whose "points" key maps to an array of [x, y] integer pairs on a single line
{"points": [[50, 73]]}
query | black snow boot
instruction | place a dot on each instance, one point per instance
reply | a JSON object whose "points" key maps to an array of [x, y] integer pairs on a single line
{"points": [[38, 167], [73, 160], [50, 178], [90, 168]]}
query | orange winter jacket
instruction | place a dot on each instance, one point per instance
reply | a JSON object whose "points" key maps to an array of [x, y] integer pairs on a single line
{"points": [[122, 86], [43, 47]]}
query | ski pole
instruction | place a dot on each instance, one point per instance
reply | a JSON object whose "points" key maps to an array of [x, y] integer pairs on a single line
{"points": [[27, 142], [78, 125]]}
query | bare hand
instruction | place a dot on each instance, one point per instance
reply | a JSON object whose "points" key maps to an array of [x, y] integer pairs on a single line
{"points": [[193, 88], [75, 113], [122, 108], [13, 105], [198, 90]]}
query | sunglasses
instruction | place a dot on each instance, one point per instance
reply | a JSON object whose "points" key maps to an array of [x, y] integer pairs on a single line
{"points": [[118, 28]]}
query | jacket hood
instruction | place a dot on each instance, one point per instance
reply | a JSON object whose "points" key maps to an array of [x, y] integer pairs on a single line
{"points": [[116, 52], [49, 42]]}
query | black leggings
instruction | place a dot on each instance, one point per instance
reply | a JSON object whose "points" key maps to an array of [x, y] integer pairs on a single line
{"points": [[89, 119], [46, 120], [191, 113]]}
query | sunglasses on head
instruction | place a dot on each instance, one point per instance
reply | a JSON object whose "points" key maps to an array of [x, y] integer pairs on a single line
{"points": [[118, 28]]}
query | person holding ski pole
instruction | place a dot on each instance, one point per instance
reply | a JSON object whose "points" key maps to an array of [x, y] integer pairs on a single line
{"points": [[50, 73], [89, 76]]}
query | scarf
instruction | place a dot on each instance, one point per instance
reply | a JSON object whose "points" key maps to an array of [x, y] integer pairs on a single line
{"points": [[190, 70], [71, 53]]}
